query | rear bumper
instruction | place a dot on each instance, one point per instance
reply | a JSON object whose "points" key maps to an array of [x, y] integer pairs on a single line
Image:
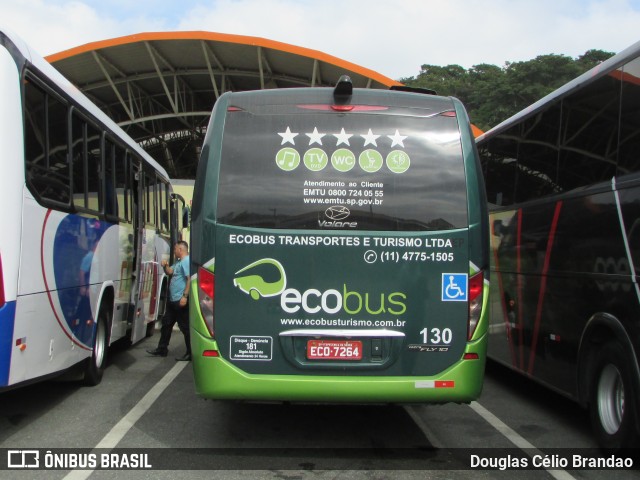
{"points": [[216, 378]]}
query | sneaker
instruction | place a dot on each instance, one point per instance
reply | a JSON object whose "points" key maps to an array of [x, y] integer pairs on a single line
{"points": [[185, 358], [157, 352]]}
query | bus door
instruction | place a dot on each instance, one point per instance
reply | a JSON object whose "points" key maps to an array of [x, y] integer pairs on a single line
{"points": [[137, 316]]}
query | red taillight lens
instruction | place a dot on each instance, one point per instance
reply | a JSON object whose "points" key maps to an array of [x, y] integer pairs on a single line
{"points": [[476, 286], [206, 296], [342, 108]]}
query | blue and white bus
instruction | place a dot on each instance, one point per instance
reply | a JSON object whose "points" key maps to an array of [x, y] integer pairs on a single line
{"points": [[86, 220]]}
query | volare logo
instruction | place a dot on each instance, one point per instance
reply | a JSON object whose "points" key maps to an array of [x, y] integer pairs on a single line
{"points": [[330, 301], [337, 212], [336, 215]]}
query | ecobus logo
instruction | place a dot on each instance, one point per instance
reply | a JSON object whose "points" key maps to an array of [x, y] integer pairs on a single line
{"points": [[255, 285], [330, 301]]}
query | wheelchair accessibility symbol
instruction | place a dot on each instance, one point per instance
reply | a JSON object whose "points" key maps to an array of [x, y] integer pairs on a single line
{"points": [[454, 287]]}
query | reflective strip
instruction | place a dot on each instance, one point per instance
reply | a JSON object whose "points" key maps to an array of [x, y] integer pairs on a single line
{"points": [[435, 384]]}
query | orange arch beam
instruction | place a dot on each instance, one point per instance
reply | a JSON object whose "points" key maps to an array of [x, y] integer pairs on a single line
{"points": [[228, 38]]}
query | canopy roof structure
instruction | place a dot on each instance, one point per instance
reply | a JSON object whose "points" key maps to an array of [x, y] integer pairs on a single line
{"points": [[160, 87]]}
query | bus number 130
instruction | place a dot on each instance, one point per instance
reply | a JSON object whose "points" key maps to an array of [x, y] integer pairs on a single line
{"points": [[436, 336]]}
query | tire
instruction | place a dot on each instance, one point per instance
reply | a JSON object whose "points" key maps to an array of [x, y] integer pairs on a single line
{"points": [[612, 400], [94, 366]]}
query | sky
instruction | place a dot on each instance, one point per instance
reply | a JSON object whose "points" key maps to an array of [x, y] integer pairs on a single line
{"points": [[393, 38]]}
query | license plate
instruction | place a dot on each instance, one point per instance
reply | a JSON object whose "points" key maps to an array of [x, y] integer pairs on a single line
{"points": [[334, 350]]}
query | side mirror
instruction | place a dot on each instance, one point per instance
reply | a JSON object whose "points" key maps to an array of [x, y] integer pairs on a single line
{"points": [[164, 218], [185, 217]]}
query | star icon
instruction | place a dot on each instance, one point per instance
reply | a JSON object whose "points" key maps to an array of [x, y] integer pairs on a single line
{"points": [[397, 139], [370, 139], [288, 136], [315, 136], [343, 137]]}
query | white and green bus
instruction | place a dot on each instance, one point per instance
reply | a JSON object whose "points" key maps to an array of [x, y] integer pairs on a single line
{"points": [[339, 249]]}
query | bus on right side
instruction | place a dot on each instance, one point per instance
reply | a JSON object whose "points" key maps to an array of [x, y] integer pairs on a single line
{"points": [[563, 185]]}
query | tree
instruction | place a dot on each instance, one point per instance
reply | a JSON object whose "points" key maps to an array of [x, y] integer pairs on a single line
{"points": [[591, 58], [491, 94], [450, 78]]}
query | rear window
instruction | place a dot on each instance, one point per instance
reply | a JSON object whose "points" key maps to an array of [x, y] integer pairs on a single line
{"points": [[365, 170]]}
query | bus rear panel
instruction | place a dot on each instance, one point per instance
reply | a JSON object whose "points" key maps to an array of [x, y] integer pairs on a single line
{"points": [[339, 246]]}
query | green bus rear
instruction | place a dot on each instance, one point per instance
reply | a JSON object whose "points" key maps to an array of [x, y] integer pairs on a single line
{"points": [[339, 249]]}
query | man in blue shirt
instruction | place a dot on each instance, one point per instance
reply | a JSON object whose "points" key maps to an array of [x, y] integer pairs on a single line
{"points": [[178, 305]]}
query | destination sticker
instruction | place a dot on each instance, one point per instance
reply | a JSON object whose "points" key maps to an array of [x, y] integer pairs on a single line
{"points": [[251, 348]]}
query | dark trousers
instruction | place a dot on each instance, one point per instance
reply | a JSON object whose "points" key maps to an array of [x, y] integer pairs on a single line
{"points": [[175, 313]]}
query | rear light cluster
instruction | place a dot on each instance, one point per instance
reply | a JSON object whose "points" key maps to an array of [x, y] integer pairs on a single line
{"points": [[206, 296], [476, 286]]}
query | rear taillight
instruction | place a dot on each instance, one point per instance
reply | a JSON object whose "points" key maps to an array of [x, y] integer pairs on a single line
{"points": [[2, 299], [344, 108], [476, 285], [206, 296]]}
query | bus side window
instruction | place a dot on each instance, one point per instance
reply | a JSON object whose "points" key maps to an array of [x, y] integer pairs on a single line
{"points": [[46, 149], [78, 167], [537, 172], [628, 158], [123, 192], [164, 206], [87, 167], [94, 167], [499, 165], [588, 133], [111, 198], [150, 201]]}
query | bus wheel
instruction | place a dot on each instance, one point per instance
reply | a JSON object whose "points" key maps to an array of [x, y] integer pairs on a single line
{"points": [[611, 406], [94, 367]]}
